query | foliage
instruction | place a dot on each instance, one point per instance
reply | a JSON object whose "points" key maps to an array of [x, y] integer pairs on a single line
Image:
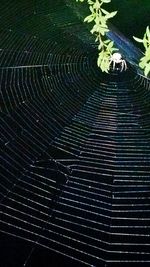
{"points": [[99, 17], [145, 60]]}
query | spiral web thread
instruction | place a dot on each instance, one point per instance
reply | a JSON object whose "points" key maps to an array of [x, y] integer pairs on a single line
{"points": [[75, 148]]}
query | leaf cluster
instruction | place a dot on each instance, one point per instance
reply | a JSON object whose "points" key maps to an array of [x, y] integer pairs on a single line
{"points": [[145, 60], [99, 17]]}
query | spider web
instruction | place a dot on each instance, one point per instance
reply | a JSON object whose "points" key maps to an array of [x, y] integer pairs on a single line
{"points": [[75, 151]]}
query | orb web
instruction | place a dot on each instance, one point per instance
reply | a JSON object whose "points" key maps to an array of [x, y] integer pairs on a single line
{"points": [[76, 153]]}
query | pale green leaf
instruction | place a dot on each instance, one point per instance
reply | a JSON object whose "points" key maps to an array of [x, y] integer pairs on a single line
{"points": [[138, 39], [147, 69], [89, 18], [106, 1], [111, 15]]}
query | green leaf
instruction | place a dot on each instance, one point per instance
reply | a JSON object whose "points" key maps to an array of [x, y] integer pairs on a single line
{"points": [[147, 69], [100, 46], [142, 65], [138, 39], [98, 61], [89, 18], [106, 41], [104, 11], [110, 45], [106, 1], [91, 9], [103, 31], [111, 15], [148, 34], [96, 5], [147, 53], [147, 31]]}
